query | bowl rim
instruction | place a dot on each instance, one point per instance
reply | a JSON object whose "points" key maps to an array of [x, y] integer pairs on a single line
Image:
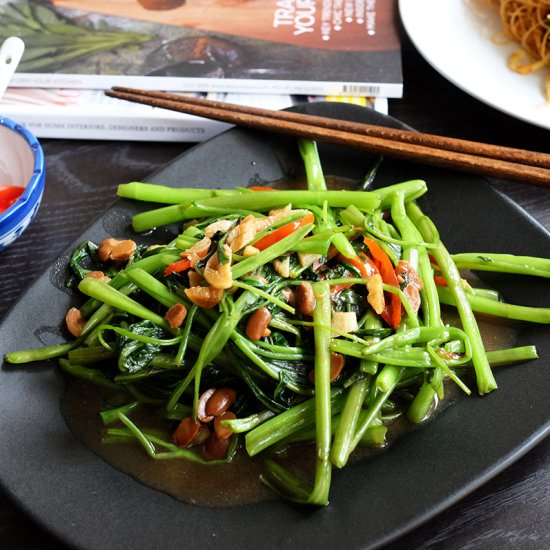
{"points": [[38, 168]]}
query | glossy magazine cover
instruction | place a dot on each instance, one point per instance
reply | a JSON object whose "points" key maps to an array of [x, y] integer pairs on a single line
{"points": [[261, 46]]}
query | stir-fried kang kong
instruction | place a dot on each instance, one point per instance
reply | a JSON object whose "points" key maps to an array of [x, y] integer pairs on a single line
{"points": [[279, 317]]}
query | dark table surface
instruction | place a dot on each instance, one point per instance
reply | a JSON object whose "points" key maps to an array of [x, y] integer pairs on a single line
{"points": [[510, 511]]}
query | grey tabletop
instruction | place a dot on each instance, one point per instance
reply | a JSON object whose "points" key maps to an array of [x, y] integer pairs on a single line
{"points": [[511, 510]]}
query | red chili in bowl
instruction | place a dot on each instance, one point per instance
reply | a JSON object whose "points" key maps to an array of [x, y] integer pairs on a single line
{"points": [[8, 195]]}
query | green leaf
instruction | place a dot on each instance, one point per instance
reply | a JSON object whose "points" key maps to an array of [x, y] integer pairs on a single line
{"points": [[83, 259], [10, 14], [136, 356], [45, 16]]}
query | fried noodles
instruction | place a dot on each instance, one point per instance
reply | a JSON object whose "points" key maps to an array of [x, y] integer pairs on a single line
{"points": [[528, 23]]}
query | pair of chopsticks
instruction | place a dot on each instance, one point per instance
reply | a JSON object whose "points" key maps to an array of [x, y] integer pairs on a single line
{"points": [[468, 156]]}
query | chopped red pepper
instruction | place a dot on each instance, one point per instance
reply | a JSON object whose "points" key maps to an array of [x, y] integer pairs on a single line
{"points": [[260, 188], [439, 279], [283, 231], [8, 195], [363, 264], [392, 311], [177, 267]]}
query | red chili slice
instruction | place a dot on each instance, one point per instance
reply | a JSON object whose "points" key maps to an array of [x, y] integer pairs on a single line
{"points": [[363, 264], [283, 231], [392, 311], [8, 195], [177, 267]]}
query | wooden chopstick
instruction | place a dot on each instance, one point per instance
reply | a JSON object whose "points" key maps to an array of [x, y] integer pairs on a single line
{"points": [[429, 140], [479, 158]]}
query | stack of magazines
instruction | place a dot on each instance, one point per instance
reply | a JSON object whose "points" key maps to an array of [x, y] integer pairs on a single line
{"points": [[266, 53]]}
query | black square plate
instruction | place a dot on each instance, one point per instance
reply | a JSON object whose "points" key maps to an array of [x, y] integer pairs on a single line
{"points": [[86, 502]]}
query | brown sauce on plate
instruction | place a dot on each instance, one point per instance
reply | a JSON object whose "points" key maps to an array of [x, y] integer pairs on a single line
{"points": [[216, 485]]}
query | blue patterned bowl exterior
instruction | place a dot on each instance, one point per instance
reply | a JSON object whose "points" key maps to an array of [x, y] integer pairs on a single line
{"points": [[21, 163]]}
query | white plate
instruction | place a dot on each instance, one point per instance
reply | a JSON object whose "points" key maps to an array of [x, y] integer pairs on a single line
{"points": [[454, 36]]}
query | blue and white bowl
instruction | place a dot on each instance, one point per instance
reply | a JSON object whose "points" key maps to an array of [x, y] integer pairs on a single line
{"points": [[21, 163]]}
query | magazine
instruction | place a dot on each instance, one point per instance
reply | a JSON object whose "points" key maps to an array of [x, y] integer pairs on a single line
{"points": [[312, 47], [90, 114]]}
